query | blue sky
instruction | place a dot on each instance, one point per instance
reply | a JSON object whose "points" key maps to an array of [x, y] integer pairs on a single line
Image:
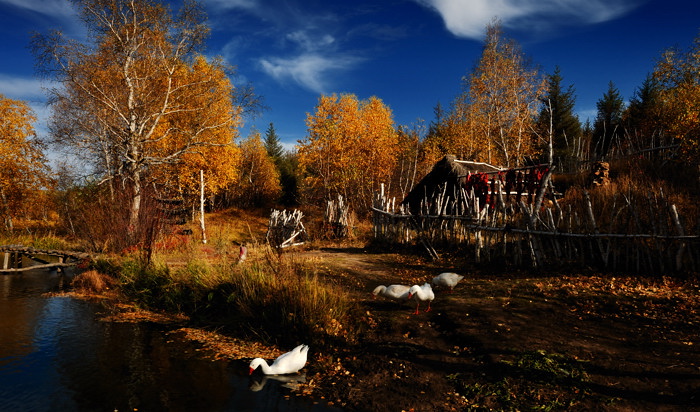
{"points": [[412, 54]]}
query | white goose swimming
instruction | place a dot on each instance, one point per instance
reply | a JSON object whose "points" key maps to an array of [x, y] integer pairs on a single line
{"points": [[447, 279], [289, 362], [394, 292], [421, 294]]}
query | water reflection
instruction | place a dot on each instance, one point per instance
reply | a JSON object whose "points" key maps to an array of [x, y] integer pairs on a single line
{"points": [[258, 381], [54, 355]]}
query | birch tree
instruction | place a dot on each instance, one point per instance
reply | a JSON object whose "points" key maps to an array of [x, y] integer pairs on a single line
{"points": [[498, 107], [259, 182], [351, 147], [138, 94]]}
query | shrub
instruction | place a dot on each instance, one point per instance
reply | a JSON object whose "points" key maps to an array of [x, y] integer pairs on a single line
{"points": [[285, 297], [277, 297], [93, 281]]}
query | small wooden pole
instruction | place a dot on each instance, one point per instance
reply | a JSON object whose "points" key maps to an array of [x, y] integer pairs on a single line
{"points": [[680, 232], [60, 261], [201, 206], [596, 232]]}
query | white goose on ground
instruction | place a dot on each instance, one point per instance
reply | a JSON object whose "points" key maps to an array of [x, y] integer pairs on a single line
{"points": [[421, 294], [393, 292], [290, 362], [447, 280]]}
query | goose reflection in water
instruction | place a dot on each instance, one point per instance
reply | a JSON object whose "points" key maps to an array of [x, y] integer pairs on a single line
{"points": [[258, 382]]}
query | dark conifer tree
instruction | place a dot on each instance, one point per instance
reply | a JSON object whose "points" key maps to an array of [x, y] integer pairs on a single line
{"points": [[437, 135], [608, 123], [565, 124], [288, 167], [286, 163], [642, 117], [272, 144]]}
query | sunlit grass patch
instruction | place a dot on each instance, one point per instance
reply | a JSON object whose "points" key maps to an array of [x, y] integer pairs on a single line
{"points": [[283, 295], [47, 241], [92, 281], [274, 297]]}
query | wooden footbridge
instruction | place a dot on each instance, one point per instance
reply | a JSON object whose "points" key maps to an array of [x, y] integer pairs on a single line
{"points": [[13, 258]]}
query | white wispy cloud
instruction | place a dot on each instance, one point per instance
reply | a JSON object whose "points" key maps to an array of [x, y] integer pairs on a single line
{"points": [[310, 43], [467, 18], [231, 4], [21, 88], [32, 92], [310, 71], [51, 8], [300, 45]]}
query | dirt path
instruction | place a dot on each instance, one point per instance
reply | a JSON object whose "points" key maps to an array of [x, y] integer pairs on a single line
{"points": [[516, 342]]}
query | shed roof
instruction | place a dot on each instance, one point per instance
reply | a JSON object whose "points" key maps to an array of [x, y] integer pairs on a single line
{"points": [[448, 174]]}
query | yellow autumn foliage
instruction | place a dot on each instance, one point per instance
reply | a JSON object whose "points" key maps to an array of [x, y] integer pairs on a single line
{"points": [[496, 113], [350, 149], [140, 103], [259, 182], [210, 149], [23, 169], [678, 74]]}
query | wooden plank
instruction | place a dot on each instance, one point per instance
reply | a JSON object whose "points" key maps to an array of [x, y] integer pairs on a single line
{"points": [[46, 266], [31, 250]]}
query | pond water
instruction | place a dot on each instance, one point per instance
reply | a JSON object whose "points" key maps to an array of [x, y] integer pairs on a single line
{"points": [[56, 356]]}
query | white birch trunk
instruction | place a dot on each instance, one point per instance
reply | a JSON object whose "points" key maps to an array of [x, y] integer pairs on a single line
{"points": [[201, 206]]}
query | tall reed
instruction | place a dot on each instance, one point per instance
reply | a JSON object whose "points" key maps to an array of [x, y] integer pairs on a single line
{"points": [[275, 297], [284, 295]]}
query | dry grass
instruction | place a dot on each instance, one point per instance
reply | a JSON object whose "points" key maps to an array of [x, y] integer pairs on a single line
{"points": [[45, 241], [93, 282], [274, 296], [286, 292], [633, 204]]}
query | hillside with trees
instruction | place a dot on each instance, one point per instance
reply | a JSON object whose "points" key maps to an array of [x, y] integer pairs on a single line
{"points": [[144, 111], [152, 127]]}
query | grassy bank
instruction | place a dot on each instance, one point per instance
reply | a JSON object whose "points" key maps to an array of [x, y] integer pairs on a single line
{"points": [[272, 297]]}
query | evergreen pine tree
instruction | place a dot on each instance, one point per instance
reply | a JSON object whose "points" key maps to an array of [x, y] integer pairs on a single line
{"points": [[642, 119], [272, 144], [608, 122], [565, 124], [286, 163], [437, 138]]}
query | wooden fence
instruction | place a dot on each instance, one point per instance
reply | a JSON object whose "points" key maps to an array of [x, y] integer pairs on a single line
{"points": [[285, 228], [12, 258], [634, 233]]}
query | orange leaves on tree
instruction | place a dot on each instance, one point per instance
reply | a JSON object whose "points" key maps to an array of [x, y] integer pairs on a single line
{"points": [[351, 148], [22, 165], [678, 74], [497, 110], [259, 182], [192, 147], [139, 100]]}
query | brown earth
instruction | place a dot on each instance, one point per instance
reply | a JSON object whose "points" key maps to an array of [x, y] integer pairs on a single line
{"points": [[513, 342]]}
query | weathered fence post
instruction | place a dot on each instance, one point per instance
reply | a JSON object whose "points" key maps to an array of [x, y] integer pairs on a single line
{"points": [[336, 218], [591, 219], [679, 230]]}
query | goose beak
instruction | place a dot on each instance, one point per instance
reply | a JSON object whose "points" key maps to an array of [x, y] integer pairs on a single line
{"points": [[251, 371]]}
